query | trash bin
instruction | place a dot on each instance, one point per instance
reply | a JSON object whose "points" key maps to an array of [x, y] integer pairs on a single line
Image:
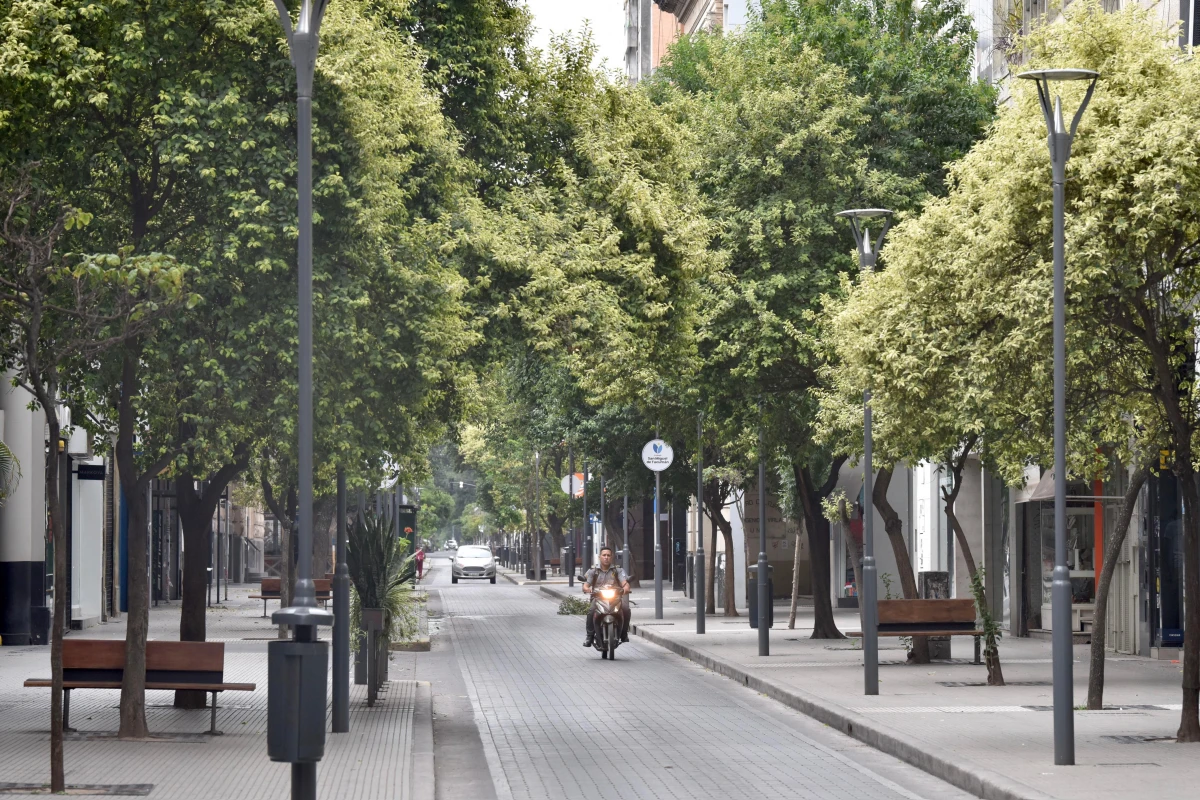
{"points": [[752, 589]]}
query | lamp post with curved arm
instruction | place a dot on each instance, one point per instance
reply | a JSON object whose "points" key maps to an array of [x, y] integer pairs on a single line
{"points": [[868, 253], [1059, 139], [298, 668]]}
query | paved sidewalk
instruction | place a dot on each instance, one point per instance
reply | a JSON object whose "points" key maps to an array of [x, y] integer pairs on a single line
{"points": [[996, 742], [387, 754]]}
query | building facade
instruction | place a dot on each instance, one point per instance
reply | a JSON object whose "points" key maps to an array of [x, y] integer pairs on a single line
{"points": [[652, 27]]}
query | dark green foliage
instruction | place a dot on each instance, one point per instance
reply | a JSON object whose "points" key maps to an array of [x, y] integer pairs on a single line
{"points": [[378, 560]]}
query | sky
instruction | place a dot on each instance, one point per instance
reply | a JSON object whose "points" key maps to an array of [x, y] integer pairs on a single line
{"points": [[607, 18]]}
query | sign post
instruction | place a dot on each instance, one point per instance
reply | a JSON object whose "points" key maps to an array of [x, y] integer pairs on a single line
{"points": [[657, 455]]}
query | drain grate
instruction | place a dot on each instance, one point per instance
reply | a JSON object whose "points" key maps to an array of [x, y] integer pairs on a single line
{"points": [[964, 684], [1130, 739], [103, 790]]}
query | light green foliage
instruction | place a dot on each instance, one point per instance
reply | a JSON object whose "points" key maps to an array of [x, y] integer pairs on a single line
{"points": [[954, 334]]}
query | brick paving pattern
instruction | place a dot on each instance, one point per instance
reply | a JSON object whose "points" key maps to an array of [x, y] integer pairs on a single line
{"points": [[373, 761], [1125, 751], [562, 723]]}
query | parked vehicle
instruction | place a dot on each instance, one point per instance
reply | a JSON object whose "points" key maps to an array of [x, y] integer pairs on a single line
{"points": [[473, 561], [606, 616]]}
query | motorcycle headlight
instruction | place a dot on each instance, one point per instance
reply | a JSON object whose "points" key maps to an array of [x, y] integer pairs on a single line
{"points": [[608, 594]]}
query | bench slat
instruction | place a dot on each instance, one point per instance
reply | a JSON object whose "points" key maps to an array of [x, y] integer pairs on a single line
{"points": [[45, 683], [931, 612], [166, 656]]}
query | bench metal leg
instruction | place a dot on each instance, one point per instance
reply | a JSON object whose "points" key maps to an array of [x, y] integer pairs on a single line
{"points": [[212, 725], [977, 659]]}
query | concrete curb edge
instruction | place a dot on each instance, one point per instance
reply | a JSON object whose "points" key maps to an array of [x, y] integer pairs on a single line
{"points": [[423, 775], [977, 780]]}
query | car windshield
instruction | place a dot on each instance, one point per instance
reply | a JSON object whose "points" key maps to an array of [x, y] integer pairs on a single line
{"points": [[474, 552]]}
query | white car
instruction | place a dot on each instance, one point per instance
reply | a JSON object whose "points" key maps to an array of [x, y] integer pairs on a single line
{"points": [[473, 561]]}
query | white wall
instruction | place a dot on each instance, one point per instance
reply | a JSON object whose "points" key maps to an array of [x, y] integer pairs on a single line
{"points": [[23, 518], [87, 545], [734, 513]]}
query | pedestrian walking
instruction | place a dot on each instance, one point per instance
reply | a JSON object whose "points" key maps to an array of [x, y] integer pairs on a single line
{"points": [[420, 558]]}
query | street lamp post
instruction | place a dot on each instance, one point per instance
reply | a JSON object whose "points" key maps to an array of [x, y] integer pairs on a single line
{"points": [[298, 669], [341, 614], [625, 535], [570, 565], [1059, 139], [698, 569], [765, 601], [868, 252]]}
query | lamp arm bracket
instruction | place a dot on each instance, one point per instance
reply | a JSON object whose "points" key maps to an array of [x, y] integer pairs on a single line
{"points": [[1087, 98]]}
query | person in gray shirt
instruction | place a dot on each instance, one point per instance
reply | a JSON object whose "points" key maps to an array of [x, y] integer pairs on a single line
{"points": [[598, 577]]}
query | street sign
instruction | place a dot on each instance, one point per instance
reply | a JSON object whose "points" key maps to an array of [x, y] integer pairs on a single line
{"points": [[657, 455], [566, 484]]}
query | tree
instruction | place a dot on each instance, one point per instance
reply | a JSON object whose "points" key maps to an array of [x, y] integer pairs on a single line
{"points": [[62, 313], [818, 106], [1133, 234]]}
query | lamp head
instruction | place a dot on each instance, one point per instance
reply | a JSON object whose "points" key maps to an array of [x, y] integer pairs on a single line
{"points": [[1052, 109], [860, 220]]}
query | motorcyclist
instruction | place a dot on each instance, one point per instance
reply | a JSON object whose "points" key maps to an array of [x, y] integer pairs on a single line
{"points": [[598, 577]]}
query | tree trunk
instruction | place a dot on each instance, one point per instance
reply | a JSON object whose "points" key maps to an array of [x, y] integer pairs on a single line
{"points": [[133, 680], [824, 625], [894, 527], [795, 583], [324, 515], [730, 591], [1112, 551], [991, 649], [1189, 719], [710, 601], [58, 534], [854, 553]]}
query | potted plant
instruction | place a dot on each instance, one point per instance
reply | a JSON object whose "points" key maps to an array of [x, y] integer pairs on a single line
{"points": [[381, 607]]}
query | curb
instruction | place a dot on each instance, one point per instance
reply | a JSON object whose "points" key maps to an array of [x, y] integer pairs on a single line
{"points": [[422, 753], [978, 781]]}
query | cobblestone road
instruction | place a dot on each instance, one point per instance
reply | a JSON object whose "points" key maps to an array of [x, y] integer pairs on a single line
{"points": [[558, 722]]}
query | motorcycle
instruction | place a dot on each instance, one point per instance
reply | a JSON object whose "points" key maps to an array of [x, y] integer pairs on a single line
{"points": [[606, 617]]}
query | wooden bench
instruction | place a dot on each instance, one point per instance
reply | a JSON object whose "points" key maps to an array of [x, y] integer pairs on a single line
{"points": [[100, 664], [928, 618], [269, 590]]}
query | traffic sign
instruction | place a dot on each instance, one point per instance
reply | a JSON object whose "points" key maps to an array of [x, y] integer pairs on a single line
{"points": [[578, 487], [657, 455]]}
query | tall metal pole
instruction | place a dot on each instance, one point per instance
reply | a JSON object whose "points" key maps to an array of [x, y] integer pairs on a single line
{"points": [[764, 582], [303, 615], [220, 531], [570, 565], [537, 513], [868, 253], [698, 569], [587, 525], [228, 531], [870, 590], [658, 586], [341, 617], [1059, 139], [603, 510], [625, 535]]}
